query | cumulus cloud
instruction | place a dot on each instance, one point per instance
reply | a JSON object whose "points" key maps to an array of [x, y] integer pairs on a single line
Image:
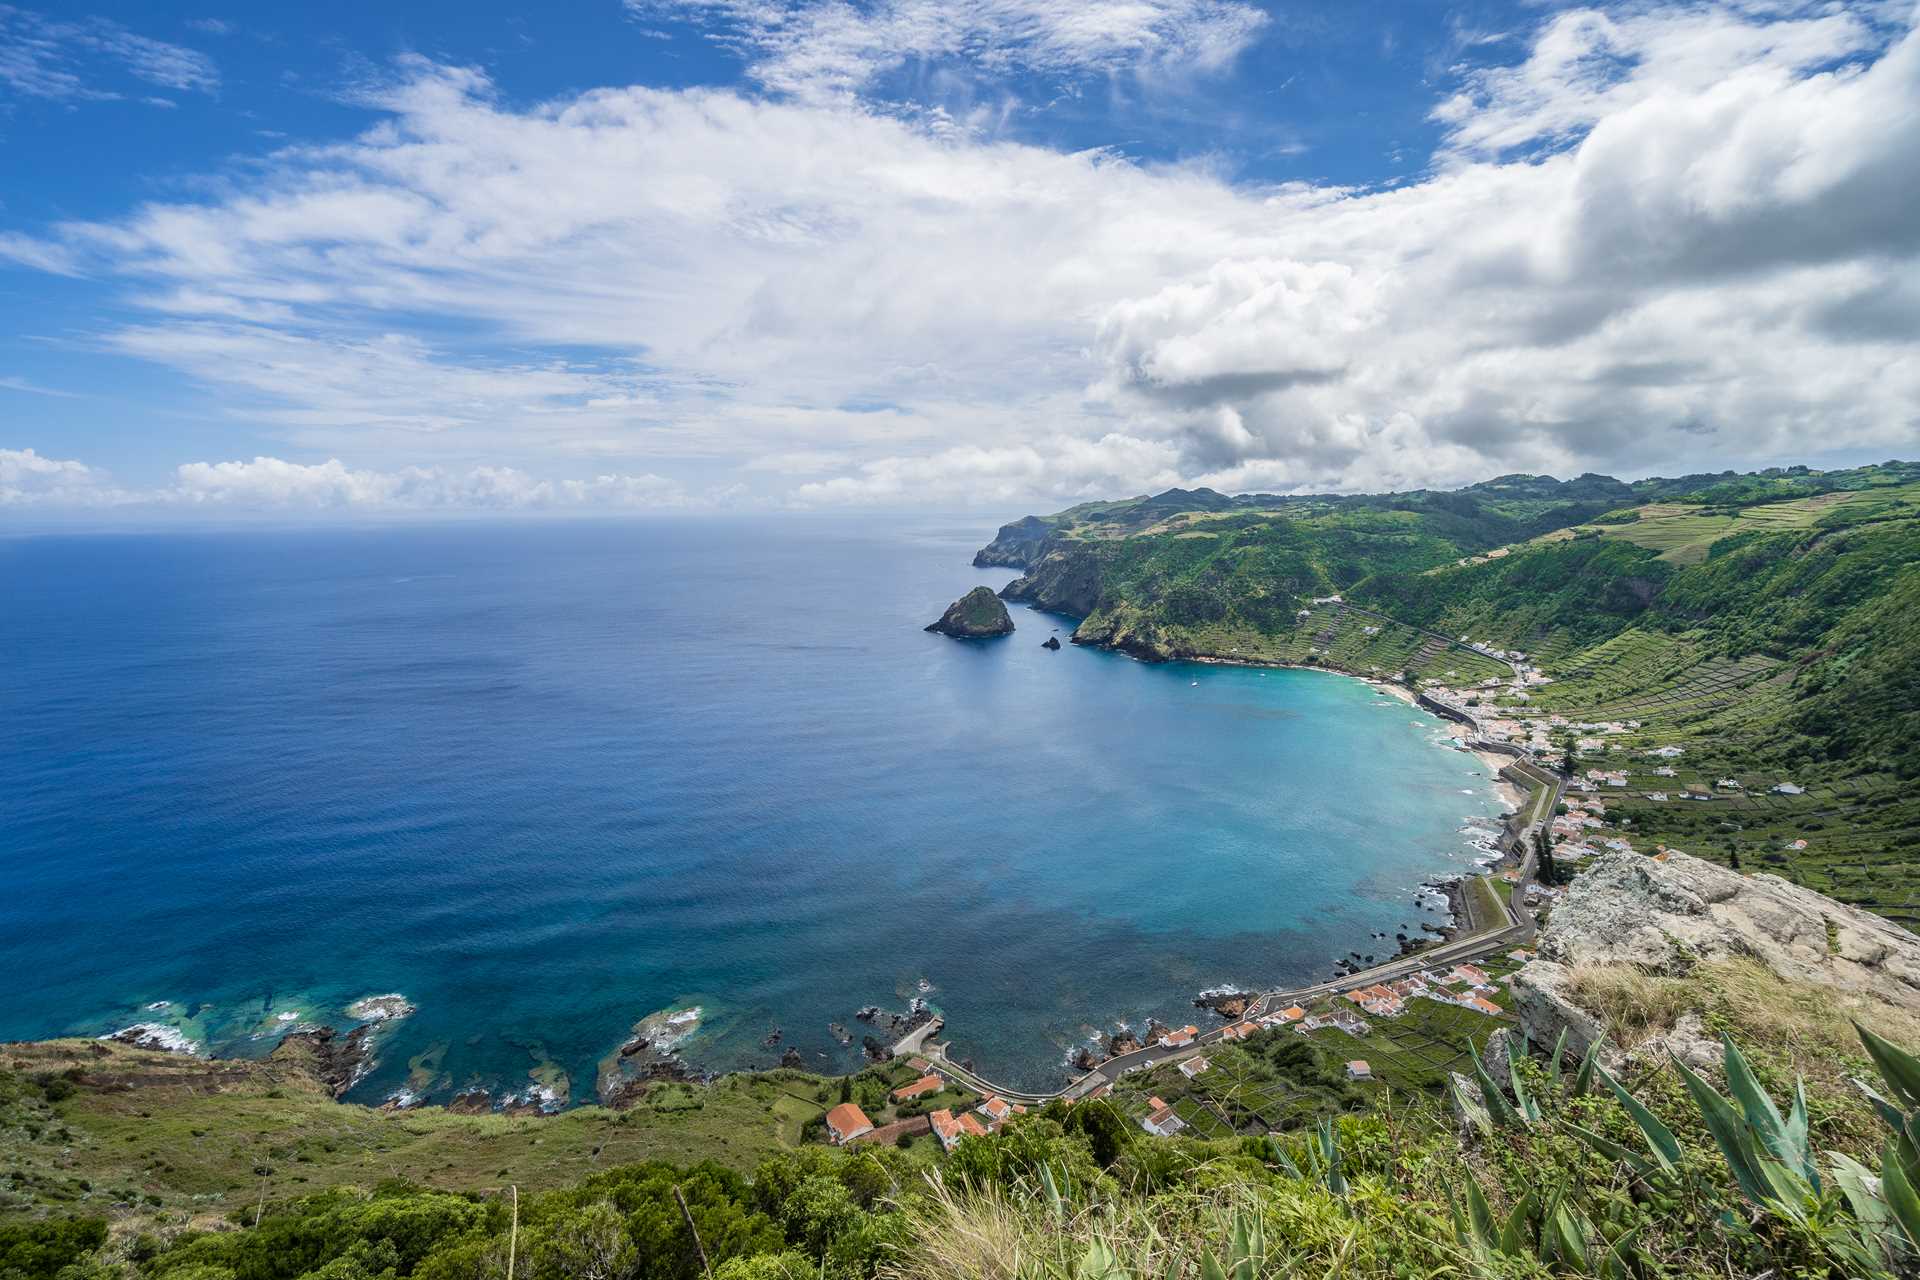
{"points": [[273, 483], [61, 59], [29, 479], [838, 48], [1664, 239]]}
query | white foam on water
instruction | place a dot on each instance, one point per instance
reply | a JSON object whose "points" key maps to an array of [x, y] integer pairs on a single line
{"points": [[155, 1035], [381, 1008]]}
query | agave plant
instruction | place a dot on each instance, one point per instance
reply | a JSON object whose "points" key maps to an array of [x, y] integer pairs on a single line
{"points": [[1551, 1229], [1889, 1205], [1246, 1252]]}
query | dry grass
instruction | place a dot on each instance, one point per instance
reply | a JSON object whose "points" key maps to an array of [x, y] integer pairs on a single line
{"points": [[1812, 1026], [1634, 1005]]}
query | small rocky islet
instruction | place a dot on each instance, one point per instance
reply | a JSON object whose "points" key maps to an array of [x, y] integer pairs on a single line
{"points": [[977, 615]]}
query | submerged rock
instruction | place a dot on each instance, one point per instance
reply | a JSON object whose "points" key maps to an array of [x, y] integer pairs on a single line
{"points": [[979, 614], [1228, 1004]]}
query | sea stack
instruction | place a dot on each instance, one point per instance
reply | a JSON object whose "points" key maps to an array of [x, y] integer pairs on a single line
{"points": [[976, 615]]}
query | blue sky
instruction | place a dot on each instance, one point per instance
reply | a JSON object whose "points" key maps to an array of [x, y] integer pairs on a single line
{"points": [[689, 254]]}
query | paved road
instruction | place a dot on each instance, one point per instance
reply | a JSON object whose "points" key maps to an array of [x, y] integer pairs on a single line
{"points": [[1518, 930]]}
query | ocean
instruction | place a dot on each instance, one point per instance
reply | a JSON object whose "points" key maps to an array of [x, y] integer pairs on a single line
{"points": [[545, 779]]}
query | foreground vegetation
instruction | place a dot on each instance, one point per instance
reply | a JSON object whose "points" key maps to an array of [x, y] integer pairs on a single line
{"points": [[1559, 1168]]}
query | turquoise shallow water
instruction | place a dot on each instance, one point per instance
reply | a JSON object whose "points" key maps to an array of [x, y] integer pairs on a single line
{"points": [[544, 780]]}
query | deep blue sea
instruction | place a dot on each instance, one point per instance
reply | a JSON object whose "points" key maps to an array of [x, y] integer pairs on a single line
{"points": [[547, 779]]}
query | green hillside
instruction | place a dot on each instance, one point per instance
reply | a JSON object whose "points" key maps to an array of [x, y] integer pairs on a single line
{"points": [[1763, 624]]}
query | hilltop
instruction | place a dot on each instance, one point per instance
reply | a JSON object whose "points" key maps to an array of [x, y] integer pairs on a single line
{"points": [[1762, 630]]}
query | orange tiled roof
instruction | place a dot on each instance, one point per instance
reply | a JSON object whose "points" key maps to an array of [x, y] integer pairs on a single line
{"points": [[924, 1085], [847, 1120], [971, 1124]]}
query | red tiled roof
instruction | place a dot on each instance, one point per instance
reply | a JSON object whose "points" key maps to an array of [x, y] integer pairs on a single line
{"points": [[847, 1120], [924, 1085]]}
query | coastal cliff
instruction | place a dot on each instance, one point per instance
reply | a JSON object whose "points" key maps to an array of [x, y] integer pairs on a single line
{"points": [[1062, 580], [1015, 546]]}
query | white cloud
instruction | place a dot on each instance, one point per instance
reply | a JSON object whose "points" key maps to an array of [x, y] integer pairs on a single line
{"points": [[840, 47], [1695, 247], [28, 479], [43, 57], [275, 484], [1588, 64], [1064, 470]]}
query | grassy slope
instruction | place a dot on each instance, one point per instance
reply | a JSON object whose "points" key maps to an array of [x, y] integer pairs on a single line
{"points": [[159, 1130], [104, 1128]]}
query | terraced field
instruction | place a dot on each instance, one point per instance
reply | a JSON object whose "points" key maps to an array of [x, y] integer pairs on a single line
{"points": [[1683, 532]]}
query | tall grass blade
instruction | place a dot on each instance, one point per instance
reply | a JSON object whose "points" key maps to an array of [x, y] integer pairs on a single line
{"points": [[1583, 1079]]}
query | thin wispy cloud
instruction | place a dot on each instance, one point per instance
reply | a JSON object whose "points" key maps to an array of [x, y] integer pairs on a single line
{"points": [[28, 387], [75, 59], [839, 48]]}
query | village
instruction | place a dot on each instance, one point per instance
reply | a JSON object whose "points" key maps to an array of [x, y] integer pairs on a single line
{"points": [[1239, 1078], [1613, 766]]}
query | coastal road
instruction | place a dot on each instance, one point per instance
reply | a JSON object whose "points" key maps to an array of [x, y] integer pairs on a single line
{"points": [[1519, 929]]}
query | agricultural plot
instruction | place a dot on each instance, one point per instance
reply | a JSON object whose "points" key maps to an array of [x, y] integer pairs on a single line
{"points": [[1682, 533], [1417, 1050]]}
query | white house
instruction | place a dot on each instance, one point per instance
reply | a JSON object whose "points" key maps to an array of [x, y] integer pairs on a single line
{"points": [[1160, 1121]]}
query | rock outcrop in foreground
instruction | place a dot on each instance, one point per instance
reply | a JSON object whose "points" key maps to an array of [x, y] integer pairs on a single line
{"points": [[976, 615], [1666, 916]]}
